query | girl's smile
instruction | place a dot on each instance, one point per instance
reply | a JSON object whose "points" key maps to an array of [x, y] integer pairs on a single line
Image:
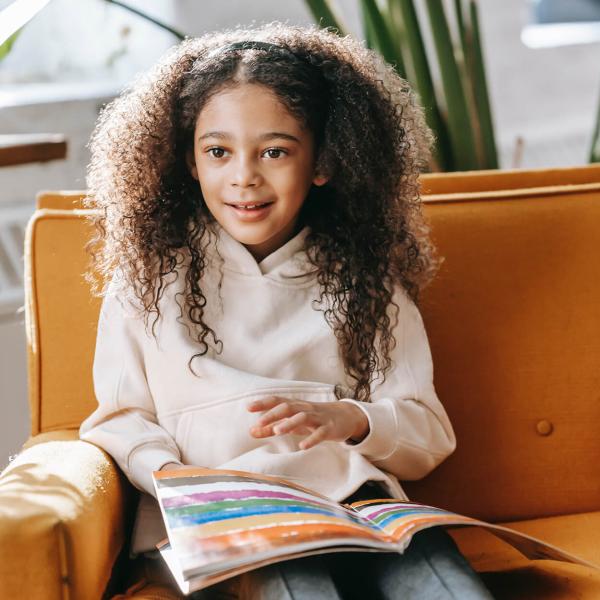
{"points": [[251, 212], [255, 163]]}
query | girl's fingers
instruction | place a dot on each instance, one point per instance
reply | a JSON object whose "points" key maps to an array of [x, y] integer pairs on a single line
{"points": [[264, 403], [317, 436], [287, 425], [264, 425], [277, 413]]}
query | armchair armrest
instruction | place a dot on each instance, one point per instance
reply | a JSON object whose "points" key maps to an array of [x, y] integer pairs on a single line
{"points": [[63, 511]]}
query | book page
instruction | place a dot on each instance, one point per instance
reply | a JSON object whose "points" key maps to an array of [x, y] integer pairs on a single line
{"points": [[400, 520], [219, 520]]}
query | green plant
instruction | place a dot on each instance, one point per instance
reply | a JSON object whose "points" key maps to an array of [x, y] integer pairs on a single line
{"points": [[458, 109], [6, 46], [595, 147], [13, 18], [20, 12]]}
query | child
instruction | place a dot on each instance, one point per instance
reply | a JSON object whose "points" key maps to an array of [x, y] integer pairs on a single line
{"points": [[261, 227]]}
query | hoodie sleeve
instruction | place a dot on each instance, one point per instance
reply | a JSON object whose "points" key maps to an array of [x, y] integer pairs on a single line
{"points": [[125, 423], [409, 430]]}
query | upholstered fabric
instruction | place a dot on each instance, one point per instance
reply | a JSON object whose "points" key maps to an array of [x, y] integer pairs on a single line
{"points": [[466, 182], [514, 328], [61, 520], [61, 319], [511, 576]]}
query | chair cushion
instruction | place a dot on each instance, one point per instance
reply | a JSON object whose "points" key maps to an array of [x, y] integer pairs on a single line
{"points": [[511, 576]]}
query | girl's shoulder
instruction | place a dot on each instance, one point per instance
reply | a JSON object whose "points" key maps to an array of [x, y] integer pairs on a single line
{"points": [[119, 296], [403, 309]]}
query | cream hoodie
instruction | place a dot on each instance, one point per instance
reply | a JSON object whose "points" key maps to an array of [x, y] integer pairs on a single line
{"points": [[153, 410]]}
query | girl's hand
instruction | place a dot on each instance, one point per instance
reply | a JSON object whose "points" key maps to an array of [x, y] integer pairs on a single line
{"points": [[334, 421], [174, 466]]}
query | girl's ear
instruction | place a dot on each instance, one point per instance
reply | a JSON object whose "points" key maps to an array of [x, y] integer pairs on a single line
{"points": [[190, 161], [320, 179]]}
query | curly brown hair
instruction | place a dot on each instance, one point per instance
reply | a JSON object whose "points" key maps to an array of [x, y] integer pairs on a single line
{"points": [[367, 231]]}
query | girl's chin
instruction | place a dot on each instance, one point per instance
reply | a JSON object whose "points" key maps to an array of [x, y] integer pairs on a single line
{"points": [[249, 234], [259, 241], [252, 241]]}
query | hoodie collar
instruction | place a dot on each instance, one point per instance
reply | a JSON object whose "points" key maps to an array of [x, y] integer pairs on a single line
{"points": [[290, 261]]}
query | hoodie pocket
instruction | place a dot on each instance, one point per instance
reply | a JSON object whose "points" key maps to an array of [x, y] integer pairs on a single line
{"points": [[211, 435]]}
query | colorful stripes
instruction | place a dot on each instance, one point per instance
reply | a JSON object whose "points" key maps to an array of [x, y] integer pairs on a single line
{"points": [[396, 519], [265, 491], [193, 517], [212, 520], [215, 520], [225, 521]]}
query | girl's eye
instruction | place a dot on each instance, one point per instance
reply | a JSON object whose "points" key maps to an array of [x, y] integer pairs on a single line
{"points": [[274, 152], [216, 152]]}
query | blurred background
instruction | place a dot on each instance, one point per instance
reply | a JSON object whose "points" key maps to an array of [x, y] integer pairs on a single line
{"points": [[535, 82]]}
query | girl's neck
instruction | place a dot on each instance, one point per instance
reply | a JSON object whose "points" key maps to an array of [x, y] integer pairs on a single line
{"points": [[261, 251]]}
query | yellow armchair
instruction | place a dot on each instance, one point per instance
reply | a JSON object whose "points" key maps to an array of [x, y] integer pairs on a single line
{"points": [[514, 328]]}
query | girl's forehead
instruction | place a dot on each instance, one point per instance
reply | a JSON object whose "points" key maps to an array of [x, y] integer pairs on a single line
{"points": [[252, 104]]}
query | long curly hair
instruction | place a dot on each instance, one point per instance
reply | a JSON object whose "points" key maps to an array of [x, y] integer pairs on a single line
{"points": [[367, 231]]}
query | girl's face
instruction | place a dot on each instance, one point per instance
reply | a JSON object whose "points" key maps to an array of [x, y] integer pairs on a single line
{"points": [[255, 163]]}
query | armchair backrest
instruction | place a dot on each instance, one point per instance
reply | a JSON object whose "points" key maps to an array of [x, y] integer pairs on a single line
{"points": [[61, 313], [512, 318]]}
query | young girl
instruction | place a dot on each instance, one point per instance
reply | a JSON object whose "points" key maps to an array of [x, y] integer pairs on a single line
{"points": [[261, 230]]}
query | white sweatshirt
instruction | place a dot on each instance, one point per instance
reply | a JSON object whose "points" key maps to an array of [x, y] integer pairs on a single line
{"points": [[153, 410]]}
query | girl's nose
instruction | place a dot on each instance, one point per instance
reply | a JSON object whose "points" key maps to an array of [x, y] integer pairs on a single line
{"points": [[245, 172]]}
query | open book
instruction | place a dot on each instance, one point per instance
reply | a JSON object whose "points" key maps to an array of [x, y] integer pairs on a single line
{"points": [[221, 523]]}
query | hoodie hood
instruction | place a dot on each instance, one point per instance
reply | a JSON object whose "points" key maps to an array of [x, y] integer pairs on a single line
{"points": [[288, 263]]}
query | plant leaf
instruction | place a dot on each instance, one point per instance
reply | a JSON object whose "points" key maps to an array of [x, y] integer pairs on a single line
{"points": [[481, 94], [595, 147], [7, 45], [325, 15], [381, 36], [419, 75], [460, 128], [18, 14]]}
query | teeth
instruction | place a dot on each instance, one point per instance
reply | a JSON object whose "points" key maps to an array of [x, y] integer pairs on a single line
{"points": [[250, 206]]}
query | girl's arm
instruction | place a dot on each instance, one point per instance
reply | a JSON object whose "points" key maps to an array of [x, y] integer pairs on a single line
{"points": [[409, 430], [125, 423], [404, 430]]}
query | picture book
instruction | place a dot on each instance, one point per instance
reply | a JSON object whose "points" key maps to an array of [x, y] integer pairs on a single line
{"points": [[221, 523]]}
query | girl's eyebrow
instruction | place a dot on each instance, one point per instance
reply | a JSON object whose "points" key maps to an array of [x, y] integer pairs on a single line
{"points": [[222, 135]]}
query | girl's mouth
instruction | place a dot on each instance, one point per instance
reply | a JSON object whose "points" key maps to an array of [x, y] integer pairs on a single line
{"points": [[251, 212]]}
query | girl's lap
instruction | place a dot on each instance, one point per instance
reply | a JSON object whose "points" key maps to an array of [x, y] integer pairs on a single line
{"points": [[432, 567]]}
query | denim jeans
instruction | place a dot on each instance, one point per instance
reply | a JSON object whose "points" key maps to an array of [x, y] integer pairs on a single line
{"points": [[431, 568]]}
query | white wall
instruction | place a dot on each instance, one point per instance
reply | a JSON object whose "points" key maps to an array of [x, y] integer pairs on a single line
{"points": [[547, 97]]}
